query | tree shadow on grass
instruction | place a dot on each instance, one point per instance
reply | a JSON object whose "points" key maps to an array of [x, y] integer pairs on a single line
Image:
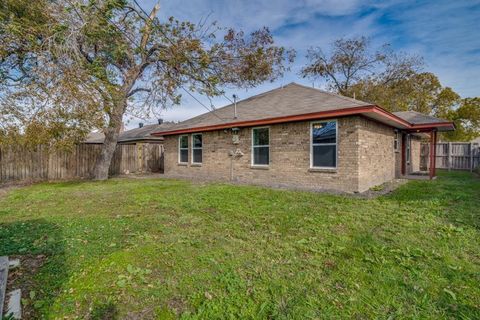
{"points": [[41, 240]]}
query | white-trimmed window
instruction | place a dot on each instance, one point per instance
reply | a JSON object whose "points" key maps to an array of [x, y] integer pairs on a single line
{"points": [[261, 146], [183, 149], [323, 145], [396, 141], [197, 145]]}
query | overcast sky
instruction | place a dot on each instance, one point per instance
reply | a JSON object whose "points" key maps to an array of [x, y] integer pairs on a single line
{"points": [[445, 32]]}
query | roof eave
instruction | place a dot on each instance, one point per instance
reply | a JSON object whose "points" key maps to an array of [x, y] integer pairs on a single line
{"points": [[372, 111], [300, 117]]}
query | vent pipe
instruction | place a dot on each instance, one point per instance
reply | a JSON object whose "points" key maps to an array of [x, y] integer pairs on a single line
{"points": [[235, 106], [160, 121], [140, 125]]}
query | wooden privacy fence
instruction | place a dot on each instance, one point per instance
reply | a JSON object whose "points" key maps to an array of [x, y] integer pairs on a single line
{"points": [[452, 155], [39, 164]]}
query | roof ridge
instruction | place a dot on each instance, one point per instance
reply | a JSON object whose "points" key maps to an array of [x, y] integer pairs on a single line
{"points": [[332, 94], [240, 101]]}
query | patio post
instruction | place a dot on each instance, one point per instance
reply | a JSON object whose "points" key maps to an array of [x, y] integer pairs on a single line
{"points": [[431, 154], [435, 153]]}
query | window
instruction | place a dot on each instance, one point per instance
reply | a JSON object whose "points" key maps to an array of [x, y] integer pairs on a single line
{"points": [[260, 146], [183, 149], [396, 140], [408, 148], [197, 148], [323, 152]]}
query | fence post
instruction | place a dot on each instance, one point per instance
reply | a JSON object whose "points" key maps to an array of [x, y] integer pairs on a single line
{"points": [[449, 153], [471, 157]]}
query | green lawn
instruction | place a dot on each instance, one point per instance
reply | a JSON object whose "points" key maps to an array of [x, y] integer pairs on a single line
{"points": [[164, 249]]}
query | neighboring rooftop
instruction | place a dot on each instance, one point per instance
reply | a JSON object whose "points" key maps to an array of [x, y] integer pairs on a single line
{"points": [[417, 117], [138, 134], [292, 102]]}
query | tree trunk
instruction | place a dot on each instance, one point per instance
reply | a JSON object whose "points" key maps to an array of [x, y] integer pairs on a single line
{"points": [[112, 132]]}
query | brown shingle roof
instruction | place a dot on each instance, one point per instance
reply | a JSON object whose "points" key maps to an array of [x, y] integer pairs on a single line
{"points": [[416, 117], [295, 102], [289, 100], [137, 134]]}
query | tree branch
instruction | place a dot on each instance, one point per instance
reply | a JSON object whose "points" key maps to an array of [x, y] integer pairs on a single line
{"points": [[136, 90]]}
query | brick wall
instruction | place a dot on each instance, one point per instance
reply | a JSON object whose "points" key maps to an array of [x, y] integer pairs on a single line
{"points": [[290, 157], [377, 155]]}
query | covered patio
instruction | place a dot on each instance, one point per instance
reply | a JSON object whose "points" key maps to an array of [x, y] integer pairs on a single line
{"points": [[426, 129]]}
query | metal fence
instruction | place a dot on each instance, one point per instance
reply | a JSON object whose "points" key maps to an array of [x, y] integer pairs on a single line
{"points": [[18, 163], [452, 156]]}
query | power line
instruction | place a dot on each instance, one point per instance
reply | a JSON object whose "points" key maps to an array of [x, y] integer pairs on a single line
{"points": [[211, 111]]}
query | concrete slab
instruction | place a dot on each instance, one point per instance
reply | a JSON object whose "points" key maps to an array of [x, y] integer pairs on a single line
{"points": [[12, 264], [3, 281], [14, 307]]}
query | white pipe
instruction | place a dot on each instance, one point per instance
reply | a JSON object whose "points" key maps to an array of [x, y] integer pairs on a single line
{"points": [[235, 106]]}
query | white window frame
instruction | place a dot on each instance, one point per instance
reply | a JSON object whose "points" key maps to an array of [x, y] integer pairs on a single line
{"points": [[180, 148], [253, 147], [324, 144], [396, 141], [196, 148]]}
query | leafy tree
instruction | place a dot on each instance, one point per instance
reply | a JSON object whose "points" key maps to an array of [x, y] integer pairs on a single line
{"points": [[394, 81], [467, 120], [68, 66]]}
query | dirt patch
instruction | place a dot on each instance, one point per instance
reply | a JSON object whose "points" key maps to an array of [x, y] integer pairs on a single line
{"points": [[20, 278], [177, 305], [147, 313], [5, 188], [383, 189]]}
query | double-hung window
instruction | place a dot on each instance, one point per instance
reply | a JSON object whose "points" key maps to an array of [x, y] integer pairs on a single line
{"points": [[396, 141], [197, 148], [323, 152], [183, 149], [260, 146]]}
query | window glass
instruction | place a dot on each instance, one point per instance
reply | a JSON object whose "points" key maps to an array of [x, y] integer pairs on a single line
{"points": [[184, 155], [261, 137], [324, 132], [197, 148], [184, 142], [261, 146], [395, 141], [324, 144], [183, 149], [261, 155], [324, 156], [197, 140]]}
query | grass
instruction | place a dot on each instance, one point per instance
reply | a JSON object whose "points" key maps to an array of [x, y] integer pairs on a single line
{"points": [[166, 249]]}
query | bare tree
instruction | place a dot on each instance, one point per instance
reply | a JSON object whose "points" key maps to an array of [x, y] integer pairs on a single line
{"points": [[353, 61]]}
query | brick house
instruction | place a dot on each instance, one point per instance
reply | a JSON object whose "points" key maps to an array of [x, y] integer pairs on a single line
{"points": [[300, 137]]}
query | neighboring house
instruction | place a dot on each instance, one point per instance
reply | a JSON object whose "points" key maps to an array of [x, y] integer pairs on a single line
{"points": [[142, 134], [137, 150], [301, 137]]}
